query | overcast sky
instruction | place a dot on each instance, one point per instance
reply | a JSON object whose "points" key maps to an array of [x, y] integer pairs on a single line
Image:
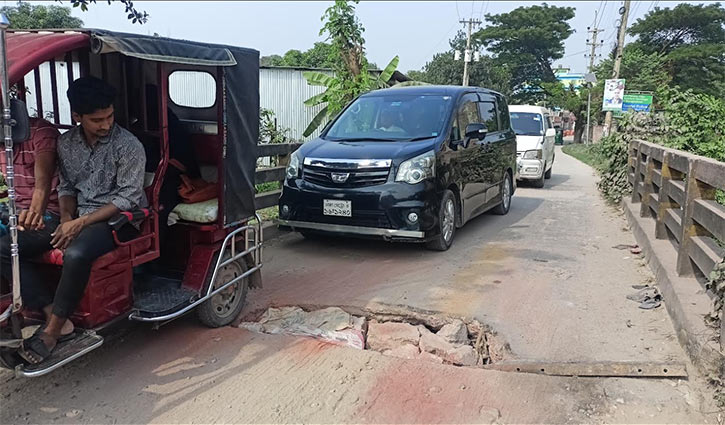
{"points": [[413, 30]]}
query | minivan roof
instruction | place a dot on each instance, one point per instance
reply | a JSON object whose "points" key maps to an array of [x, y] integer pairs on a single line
{"points": [[528, 108], [428, 90]]}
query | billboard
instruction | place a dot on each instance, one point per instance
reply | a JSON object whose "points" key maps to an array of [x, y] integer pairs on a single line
{"points": [[637, 102], [613, 95]]}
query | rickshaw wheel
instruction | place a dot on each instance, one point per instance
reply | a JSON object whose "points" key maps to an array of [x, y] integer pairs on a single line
{"points": [[223, 308]]}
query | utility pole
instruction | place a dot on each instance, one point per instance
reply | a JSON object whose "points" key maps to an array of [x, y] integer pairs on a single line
{"points": [[592, 42], [624, 11], [467, 53]]}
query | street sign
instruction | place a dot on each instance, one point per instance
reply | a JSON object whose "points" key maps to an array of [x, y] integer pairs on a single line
{"points": [[637, 102], [613, 95]]}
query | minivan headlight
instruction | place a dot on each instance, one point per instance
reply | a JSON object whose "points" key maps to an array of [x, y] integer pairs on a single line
{"points": [[293, 168], [417, 169], [532, 154]]}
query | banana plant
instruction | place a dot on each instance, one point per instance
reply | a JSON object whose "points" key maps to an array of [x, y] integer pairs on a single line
{"points": [[339, 92]]}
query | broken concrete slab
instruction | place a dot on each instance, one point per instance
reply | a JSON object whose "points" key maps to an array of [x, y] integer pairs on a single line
{"points": [[390, 335], [464, 355], [457, 354], [405, 351], [455, 332]]}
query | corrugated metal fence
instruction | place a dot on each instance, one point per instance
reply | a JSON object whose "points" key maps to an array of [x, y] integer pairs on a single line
{"points": [[283, 90]]}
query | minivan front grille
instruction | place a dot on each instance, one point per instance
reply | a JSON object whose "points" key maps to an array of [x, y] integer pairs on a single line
{"points": [[345, 177]]}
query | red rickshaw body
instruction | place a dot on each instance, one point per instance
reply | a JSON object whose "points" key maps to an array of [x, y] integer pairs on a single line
{"points": [[41, 64]]}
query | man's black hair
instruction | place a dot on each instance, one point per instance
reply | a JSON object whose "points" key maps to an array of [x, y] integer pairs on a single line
{"points": [[90, 94]]}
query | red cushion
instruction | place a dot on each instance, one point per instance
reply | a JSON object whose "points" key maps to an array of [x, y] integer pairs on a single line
{"points": [[55, 256]]}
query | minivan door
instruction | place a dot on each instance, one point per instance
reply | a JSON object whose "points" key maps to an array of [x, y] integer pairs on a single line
{"points": [[471, 169], [491, 148], [549, 140]]}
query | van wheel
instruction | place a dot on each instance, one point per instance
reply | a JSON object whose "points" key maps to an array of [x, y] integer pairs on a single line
{"points": [[446, 223], [222, 308], [539, 183], [547, 174], [506, 194]]}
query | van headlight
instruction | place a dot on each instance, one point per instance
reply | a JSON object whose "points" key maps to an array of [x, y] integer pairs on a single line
{"points": [[532, 154], [293, 168], [417, 169]]}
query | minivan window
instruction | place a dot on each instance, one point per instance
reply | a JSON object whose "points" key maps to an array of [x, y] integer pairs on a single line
{"points": [[527, 123], [488, 115], [391, 117], [467, 114], [503, 113]]}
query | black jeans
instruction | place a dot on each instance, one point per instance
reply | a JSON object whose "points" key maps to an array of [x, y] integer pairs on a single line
{"points": [[92, 242]]}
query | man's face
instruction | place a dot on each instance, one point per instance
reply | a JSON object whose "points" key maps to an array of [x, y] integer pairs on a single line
{"points": [[98, 123]]}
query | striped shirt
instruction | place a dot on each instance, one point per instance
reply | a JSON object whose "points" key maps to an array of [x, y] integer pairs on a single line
{"points": [[43, 138]]}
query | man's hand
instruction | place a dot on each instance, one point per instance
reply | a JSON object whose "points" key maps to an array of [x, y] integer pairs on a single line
{"points": [[66, 232], [30, 220]]}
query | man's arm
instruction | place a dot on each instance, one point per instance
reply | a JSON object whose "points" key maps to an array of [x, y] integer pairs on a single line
{"points": [[68, 206], [44, 168]]}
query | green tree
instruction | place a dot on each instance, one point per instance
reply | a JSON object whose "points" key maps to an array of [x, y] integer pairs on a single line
{"points": [[352, 77], [691, 40], [33, 17], [642, 71], [444, 69], [528, 40], [271, 60], [664, 30]]}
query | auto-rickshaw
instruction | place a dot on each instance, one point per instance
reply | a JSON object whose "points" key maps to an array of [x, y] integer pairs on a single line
{"points": [[209, 258]]}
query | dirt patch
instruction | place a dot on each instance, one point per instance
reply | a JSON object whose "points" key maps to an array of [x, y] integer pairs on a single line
{"points": [[395, 331]]}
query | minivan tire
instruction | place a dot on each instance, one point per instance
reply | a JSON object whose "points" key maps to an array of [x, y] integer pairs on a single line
{"points": [[447, 213], [547, 174], [539, 183], [507, 191]]}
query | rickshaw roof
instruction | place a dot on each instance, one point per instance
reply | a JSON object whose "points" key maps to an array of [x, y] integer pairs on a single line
{"points": [[25, 50]]}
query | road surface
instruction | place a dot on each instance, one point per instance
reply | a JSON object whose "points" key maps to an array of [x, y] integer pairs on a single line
{"points": [[546, 278]]}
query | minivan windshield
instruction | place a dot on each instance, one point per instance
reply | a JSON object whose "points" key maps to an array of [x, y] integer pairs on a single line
{"points": [[527, 123], [397, 117]]}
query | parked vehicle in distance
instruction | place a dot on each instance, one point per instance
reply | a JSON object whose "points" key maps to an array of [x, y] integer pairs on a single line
{"points": [[404, 164], [535, 137]]}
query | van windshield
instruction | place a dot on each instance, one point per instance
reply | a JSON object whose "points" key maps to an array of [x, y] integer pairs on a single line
{"points": [[527, 123], [392, 118]]}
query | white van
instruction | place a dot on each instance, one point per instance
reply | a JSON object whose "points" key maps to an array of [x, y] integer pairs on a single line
{"points": [[535, 137]]}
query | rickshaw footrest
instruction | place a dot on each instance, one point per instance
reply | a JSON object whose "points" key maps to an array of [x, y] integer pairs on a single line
{"points": [[64, 353], [164, 296]]}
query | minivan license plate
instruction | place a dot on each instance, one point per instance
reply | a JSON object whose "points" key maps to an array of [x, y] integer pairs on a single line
{"points": [[337, 208]]}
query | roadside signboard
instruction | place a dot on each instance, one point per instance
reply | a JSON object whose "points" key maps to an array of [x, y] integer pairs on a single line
{"points": [[613, 95], [637, 102]]}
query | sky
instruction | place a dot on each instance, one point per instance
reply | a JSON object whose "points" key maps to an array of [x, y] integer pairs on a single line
{"points": [[414, 30]]}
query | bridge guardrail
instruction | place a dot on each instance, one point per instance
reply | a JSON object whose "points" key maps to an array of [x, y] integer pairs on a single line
{"points": [[678, 191], [280, 153]]}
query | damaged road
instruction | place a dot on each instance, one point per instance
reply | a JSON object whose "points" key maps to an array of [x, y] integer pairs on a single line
{"points": [[542, 285]]}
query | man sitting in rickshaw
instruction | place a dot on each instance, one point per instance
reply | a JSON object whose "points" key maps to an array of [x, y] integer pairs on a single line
{"points": [[36, 198], [101, 174]]}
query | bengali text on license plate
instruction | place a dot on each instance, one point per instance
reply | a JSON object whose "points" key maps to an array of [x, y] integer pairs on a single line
{"points": [[337, 208]]}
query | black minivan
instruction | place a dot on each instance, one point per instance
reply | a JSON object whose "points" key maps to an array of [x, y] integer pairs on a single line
{"points": [[404, 164]]}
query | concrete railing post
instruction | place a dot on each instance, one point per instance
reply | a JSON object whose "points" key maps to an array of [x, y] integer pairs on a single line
{"points": [[693, 190], [647, 189], [664, 198], [635, 155]]}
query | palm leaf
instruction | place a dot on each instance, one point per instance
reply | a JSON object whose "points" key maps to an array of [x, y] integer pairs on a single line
{"points": [[316, 121], [389, 70], [317, 99], [315, 78]]}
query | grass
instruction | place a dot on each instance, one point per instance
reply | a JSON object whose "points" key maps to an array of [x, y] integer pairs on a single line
{"points": [[584, 153], [268, 214]]}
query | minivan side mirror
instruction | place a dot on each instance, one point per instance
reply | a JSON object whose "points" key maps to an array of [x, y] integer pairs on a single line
{"points": [[21, 121], [476, 131]]}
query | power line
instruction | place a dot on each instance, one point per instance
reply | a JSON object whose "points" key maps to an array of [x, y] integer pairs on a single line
{"points": [[457, 12], [603, 10]]}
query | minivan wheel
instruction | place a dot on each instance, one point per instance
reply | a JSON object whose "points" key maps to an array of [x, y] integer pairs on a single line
{"points": [[539, 183], [446, 223], [506, 193]]}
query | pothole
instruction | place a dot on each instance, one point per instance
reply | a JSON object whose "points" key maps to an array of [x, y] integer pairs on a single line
{"points": [[396, 331]]}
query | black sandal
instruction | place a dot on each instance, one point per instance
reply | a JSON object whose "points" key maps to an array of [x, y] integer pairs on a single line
{"points": [[33, 349], [62, 338]]}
